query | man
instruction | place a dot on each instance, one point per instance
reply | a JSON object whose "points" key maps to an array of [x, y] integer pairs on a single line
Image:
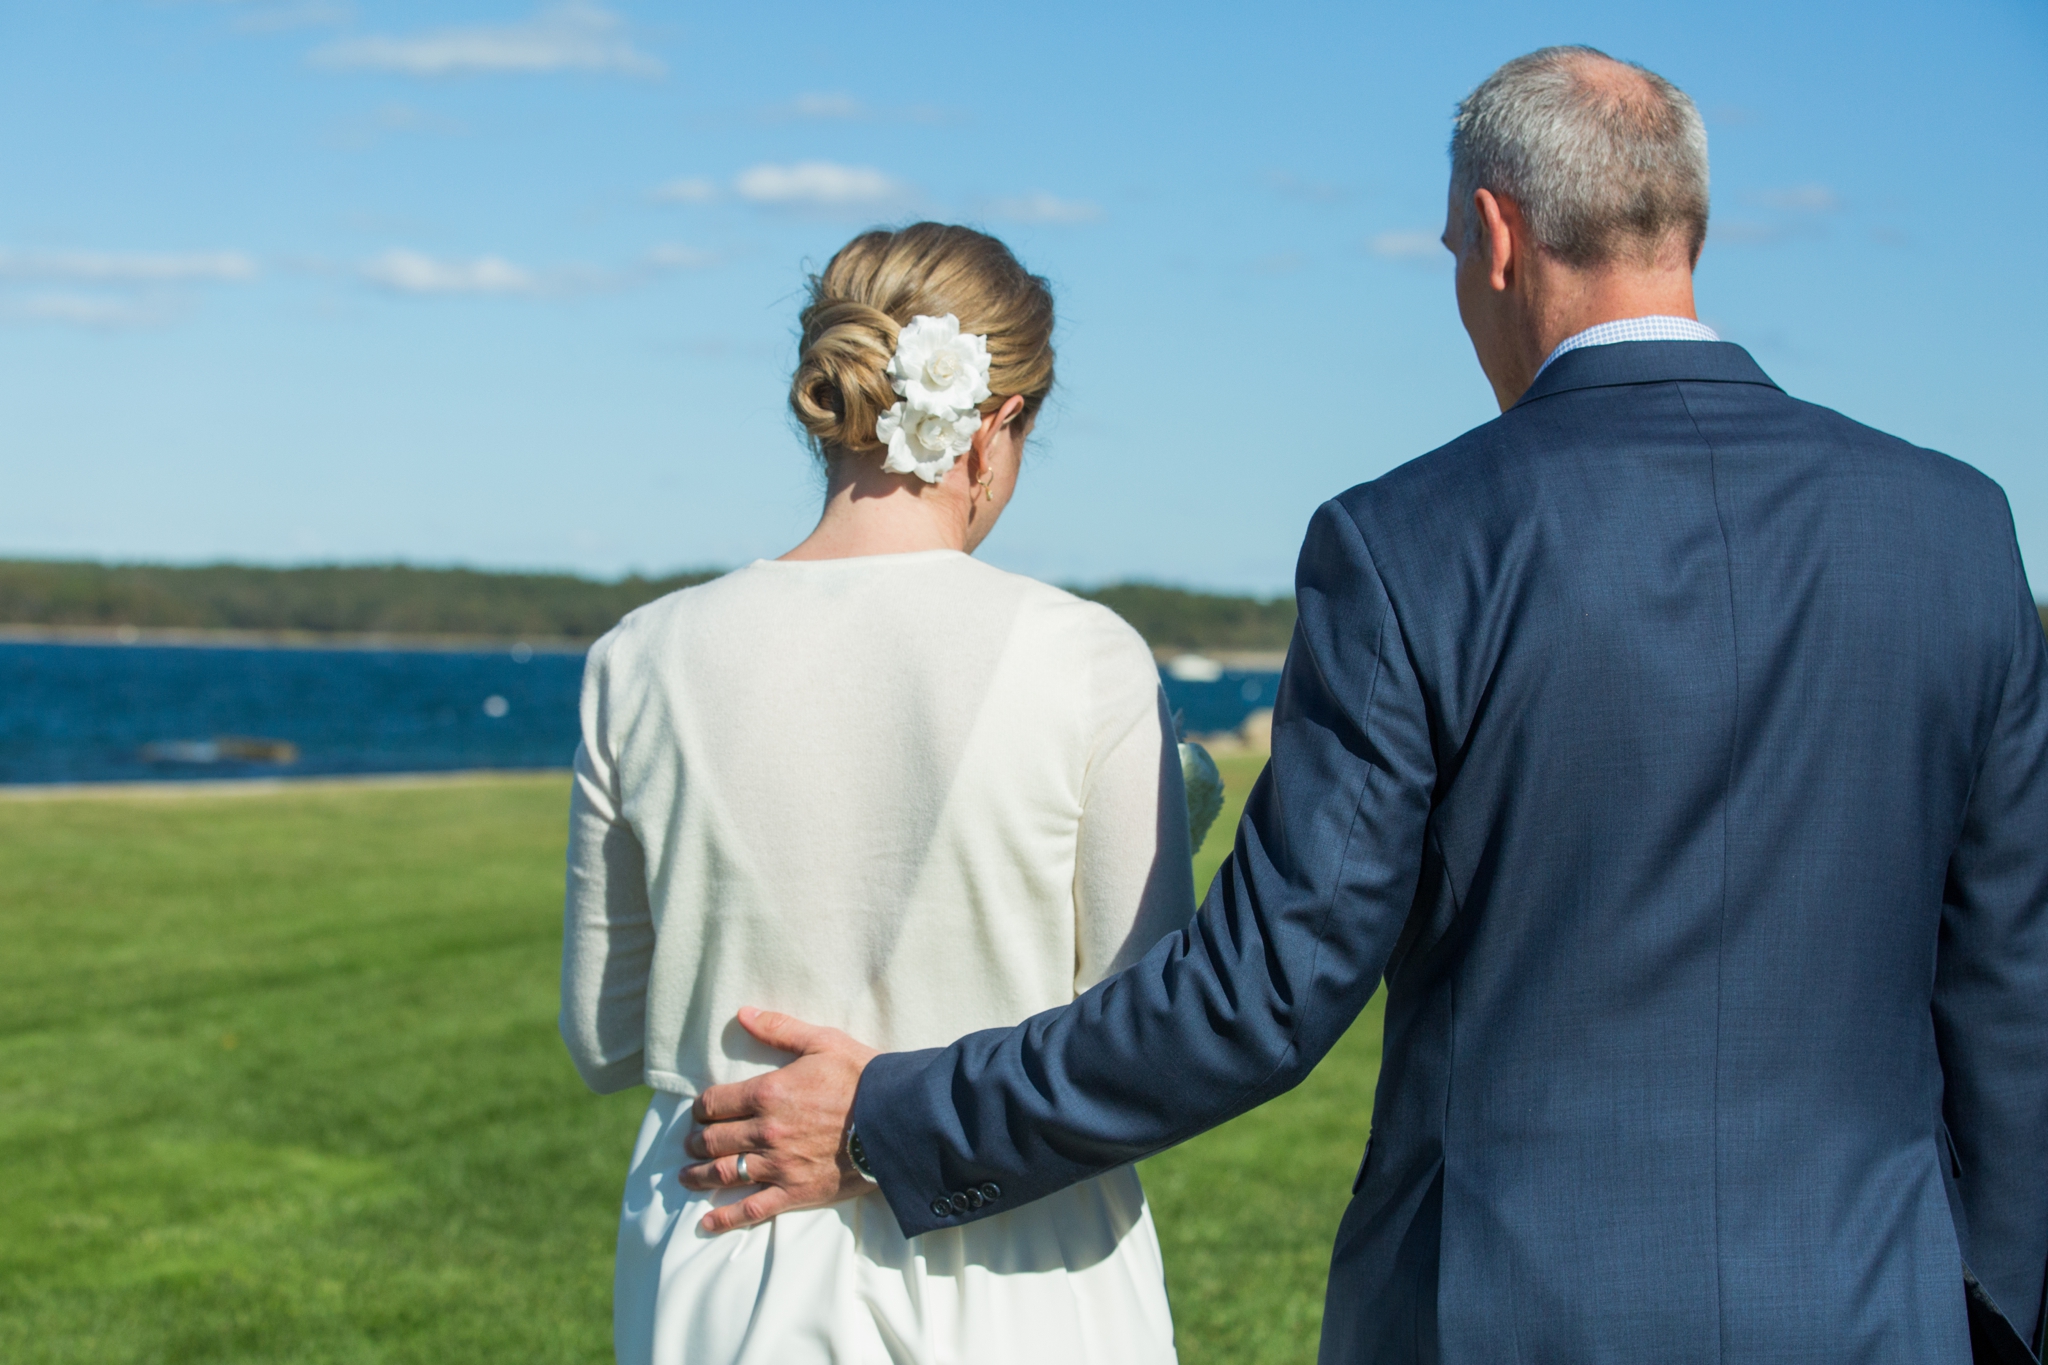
{"points": [[1677, 754]]}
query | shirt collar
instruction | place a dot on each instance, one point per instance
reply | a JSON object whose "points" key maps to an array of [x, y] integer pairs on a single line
{"points": [[1657, 327]]}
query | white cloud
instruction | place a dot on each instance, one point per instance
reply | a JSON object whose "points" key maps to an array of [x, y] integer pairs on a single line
{"points": [[413, 272], [392, 120], [833, 107], [111, 313], [128, 267], [814, 185], [576, 36], [1413, 245], [670, 256], [405, 271], [1809, 198], [822, 106], [1042, 208], [690, 190], [406, 118], [818, 184]]}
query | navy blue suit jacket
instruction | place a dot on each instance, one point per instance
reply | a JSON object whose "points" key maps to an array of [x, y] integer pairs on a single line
{"points": [[1677, 752]]}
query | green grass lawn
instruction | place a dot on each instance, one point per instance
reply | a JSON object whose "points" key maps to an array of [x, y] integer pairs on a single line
{"points": [[279, 1081]]}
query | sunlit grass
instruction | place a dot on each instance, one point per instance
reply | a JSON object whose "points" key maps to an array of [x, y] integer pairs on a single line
{"points": [[279, 1081], [1247, 1212]]}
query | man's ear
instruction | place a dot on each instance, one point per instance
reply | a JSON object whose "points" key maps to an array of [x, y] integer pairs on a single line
{"points": [[1500, 226]]}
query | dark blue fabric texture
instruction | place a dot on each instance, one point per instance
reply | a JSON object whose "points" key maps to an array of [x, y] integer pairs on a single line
{"points": [[1677, 753]]}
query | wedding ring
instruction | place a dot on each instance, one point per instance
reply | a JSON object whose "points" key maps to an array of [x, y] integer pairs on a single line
{"points": [[742, 1168]]}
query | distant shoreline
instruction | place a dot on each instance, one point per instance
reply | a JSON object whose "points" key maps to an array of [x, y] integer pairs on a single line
{"points": [[195, 638], [1241, 660], [260, 786], [395, 606]]}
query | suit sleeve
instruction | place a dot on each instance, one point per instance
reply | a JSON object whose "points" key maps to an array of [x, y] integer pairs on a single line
{"points": [[1238, 1006], [1991, 988]]}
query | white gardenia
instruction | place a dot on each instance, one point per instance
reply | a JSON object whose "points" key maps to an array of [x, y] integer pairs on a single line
{"points": [[925, 443], [941, 374], [937, 366]]}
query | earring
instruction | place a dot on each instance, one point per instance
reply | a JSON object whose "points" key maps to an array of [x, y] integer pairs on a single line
{"points": [[987, 485]]}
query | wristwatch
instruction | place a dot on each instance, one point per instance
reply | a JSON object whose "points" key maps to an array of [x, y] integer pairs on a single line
{"points": [[858, 1154]]}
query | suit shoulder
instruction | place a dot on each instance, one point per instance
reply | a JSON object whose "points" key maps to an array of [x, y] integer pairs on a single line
{"points": [[1466, 456], [1466, 471], [1492, 454], [1940, 469]]}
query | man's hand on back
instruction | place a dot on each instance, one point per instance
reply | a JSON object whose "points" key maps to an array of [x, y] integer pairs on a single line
{"points": [[790, 1124]]}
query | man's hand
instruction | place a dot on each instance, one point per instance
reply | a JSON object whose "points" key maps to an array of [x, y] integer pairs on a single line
{"points": [[790, 1124]]}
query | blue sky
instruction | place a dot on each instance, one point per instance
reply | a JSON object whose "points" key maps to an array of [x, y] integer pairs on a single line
{"points": [[514, 284]]}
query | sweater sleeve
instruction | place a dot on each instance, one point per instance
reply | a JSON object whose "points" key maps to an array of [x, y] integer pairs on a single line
{"points": [[608, 928], [1133, 883]]}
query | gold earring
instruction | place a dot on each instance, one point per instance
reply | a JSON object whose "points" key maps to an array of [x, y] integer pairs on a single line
{"points": [[987, 485]]}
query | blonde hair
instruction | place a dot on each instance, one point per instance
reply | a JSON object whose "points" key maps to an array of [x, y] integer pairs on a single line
{"points": [[874, 286]]}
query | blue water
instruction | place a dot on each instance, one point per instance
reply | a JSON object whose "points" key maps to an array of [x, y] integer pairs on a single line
{"points": [[82, 713], [86, 712], [1205, 707]]}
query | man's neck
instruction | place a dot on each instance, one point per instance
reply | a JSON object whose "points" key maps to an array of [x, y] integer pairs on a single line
{"points": [[1563, 301], [1579, 299]]}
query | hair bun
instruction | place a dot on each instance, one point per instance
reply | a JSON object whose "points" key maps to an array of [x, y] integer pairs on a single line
{"points": [[871, 290], [841, 387]]}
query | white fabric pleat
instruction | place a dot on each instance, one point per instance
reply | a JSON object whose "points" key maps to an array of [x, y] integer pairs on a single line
{"points": [[1074, 1279]]}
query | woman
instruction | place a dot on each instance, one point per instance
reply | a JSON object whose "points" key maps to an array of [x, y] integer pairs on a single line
{"points": [[883, 786]]}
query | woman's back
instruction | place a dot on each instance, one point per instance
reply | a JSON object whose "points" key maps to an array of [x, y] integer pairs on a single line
{"points": [[906, 795], [877, 785]]}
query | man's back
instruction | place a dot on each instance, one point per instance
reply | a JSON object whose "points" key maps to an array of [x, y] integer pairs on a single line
{"points": [[1710, 676], [1679, 753]]}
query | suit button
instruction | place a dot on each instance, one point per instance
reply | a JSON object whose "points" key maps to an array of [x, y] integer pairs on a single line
{"points": [[941, 1209], [991, 1191], [960, 1204], [975, 1198]]}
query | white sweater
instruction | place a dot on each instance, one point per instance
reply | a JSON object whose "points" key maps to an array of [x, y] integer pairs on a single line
{"points": [[909, 796]]}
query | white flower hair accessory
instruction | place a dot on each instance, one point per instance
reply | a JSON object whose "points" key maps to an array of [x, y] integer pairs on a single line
{"points": [[925, 443], [936, 366], [941, 374]]}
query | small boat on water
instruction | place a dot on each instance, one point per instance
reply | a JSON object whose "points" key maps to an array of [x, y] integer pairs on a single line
{"points": [[220, 749], [1193, 668]]}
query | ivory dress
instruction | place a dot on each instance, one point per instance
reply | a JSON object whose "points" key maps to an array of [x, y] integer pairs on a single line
{"points": [[909, 796]]}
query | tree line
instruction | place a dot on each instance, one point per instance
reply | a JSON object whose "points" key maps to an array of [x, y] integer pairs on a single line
{"points": [[403, 600]]}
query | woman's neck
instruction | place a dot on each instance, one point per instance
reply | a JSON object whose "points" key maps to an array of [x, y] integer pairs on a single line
{"points": [[871, 512]]}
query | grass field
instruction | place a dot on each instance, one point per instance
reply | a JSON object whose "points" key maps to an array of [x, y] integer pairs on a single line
{"points": [[279, 1082]]}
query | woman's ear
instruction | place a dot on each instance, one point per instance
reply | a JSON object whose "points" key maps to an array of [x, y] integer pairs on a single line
{"points": [[993, 422]]}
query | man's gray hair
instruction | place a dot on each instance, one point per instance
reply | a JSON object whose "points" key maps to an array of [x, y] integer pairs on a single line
{"points": [[1607, 160]]}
